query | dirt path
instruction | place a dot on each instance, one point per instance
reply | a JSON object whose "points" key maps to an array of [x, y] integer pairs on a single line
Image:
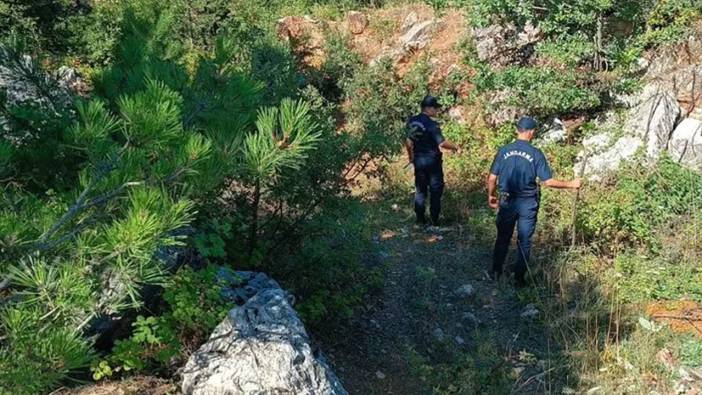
{"points": [[440, 325]]}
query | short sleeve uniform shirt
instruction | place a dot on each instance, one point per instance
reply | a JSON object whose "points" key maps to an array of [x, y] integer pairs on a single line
{"points": [[426, 135], [518, 165]]}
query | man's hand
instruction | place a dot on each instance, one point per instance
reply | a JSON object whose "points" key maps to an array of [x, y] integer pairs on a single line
{"points": [[450, 146], [493, 202], [576, 184]]}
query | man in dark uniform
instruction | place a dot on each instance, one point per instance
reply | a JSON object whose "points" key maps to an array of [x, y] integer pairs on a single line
{"points": [[515, 171], [424, 143]]}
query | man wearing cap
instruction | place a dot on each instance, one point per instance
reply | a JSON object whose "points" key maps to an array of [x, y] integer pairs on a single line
{"points": [[424, 143], [514, 172]]}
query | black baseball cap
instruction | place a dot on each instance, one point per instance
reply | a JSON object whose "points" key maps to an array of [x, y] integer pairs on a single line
{"points": [[527, 123], [430, 101]]}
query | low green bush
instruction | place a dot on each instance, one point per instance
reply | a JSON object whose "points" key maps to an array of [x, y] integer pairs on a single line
{"points": [[640, 278], [329, 273], [640, 200], [195, 304], [691, 351], [39, 358], [568, 50], [541, 91]]}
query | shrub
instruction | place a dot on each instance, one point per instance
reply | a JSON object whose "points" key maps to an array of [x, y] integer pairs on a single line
{"points": [[542, 91], [195, 305], [328, 273], [669, 21], [567, 50], [40, 356], [641, 278], [640, 200], [382, 103]]}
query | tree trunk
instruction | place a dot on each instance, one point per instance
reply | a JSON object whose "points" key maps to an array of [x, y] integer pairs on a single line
{"points": [[253, 235], [598, 62]]}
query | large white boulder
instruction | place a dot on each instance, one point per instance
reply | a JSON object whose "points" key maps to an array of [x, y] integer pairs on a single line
{"points": [[602, 157], [647, 125], [686, 144], [556, 133], [653, 119], [261, 347]]}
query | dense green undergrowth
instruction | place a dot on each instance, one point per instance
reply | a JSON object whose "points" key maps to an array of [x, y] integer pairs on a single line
{"points": [[202, 133]]}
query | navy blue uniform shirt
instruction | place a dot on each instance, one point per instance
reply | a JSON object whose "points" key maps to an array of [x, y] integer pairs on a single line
{"points": [[518, 165], [426, 135]]}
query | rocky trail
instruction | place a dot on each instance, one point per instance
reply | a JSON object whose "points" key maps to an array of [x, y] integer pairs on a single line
{"points": [[439, 320]]}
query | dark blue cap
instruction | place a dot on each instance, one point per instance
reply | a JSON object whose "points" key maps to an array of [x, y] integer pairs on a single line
{"points": [[526, 123], [430, 101]]}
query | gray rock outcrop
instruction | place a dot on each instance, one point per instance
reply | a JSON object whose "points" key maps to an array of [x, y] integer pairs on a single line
{"points": [[416, 34], [357, 22], [653, 119], [600, 162], [647, 126], [24, 82], [261, 347], [503, 45], [685, 145], [556, 133], [677, 69], [501, 109]]}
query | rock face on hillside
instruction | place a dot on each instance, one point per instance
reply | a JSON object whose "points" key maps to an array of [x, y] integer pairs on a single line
{"points": [[504, 45], [686, 144], [24, 82], [357, 22], [416, 34], [664, 117], [647, 127], [261, 347], [306, 37], [653, 119], [678, 69]]}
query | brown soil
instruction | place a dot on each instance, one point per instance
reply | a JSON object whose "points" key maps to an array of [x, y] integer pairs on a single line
{"points": [[684, 316], [142, 385], [376, 352], [382, 34]]}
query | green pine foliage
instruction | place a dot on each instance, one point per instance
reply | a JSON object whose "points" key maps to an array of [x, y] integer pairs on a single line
{"points": [[202, 133], [96, 189]]}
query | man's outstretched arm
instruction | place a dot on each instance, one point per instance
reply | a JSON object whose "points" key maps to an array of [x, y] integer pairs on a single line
{"points": [[560, 184], [449, 146], [491, 186], [409, 146]]}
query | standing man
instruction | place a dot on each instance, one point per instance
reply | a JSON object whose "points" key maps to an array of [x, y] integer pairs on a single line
{"points": [[424, 143], [515, 171]]}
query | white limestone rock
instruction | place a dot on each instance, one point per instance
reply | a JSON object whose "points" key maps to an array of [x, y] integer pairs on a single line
{"points": [[260, 348], [685, 145]]}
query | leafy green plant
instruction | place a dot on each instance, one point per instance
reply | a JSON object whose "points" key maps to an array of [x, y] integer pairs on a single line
{"points": [[210, 241], [641, 200], [570, 50], [195, 305], [152, 342], [691, 352], [669, 21], [641, 278], [328, 273], [542, 91]]}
